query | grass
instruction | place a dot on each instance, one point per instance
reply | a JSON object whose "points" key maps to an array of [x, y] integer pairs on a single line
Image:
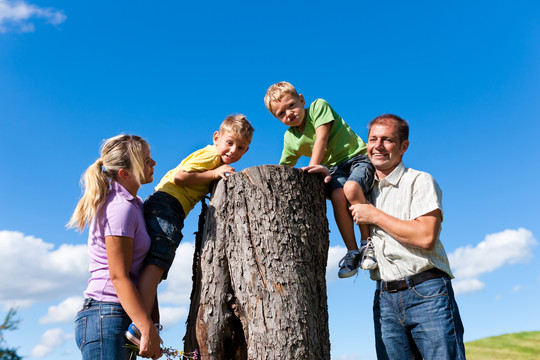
{"points": [[518, 346]]}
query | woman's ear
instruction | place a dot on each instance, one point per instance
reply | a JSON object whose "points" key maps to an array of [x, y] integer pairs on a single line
{"points": [[123, 173]]}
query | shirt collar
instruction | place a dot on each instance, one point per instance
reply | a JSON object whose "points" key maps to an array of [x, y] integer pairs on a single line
{"points": [[118, 188], [394, 177]]}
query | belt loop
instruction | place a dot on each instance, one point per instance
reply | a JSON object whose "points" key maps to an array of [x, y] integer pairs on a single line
{"points": [[409, 281], [87, 302]]}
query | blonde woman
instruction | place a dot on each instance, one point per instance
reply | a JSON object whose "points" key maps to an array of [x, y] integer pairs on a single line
{"points": [[117, 245]]}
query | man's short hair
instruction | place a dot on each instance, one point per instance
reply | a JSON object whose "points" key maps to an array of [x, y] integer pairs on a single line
{"points": [[238, 125], [402, 125], [277, 91]]}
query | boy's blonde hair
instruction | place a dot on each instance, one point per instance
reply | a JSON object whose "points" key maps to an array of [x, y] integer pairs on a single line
{"points": [[238, 125], [119, 152], [277, 91]]}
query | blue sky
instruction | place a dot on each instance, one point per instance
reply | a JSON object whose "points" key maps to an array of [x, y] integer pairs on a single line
{"points": [[464, 74]]}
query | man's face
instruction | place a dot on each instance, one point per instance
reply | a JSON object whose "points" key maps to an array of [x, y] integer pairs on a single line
{"points": [[290, 110], [384, 148]]}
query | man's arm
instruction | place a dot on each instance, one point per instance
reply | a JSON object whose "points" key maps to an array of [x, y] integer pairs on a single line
{"points": [[421, 232]]}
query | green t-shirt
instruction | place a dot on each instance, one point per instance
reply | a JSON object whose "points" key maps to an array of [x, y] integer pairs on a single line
{"points": [[343, 143]]}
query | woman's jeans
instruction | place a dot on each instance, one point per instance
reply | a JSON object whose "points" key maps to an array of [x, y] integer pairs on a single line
{"points": [[99, 331], [420, 322]]}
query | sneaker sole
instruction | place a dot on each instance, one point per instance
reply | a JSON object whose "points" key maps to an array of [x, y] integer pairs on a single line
{"points": [[347, 275], [133, 338]]}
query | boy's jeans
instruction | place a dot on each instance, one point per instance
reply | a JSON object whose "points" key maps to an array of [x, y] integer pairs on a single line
{"points": [[420, 320], [99, 331]]}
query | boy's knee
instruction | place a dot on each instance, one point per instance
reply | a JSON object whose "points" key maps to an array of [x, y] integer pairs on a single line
{"points": [[353, 192], [351, 187], [338, 196]]}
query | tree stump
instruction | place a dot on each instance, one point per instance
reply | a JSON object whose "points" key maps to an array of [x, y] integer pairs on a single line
{"points": [[259, 287]]}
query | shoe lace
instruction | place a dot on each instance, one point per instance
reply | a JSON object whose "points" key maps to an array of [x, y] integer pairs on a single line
{"points": [[347, 261]]}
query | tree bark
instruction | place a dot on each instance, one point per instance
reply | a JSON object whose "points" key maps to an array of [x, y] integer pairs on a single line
{"points": [[259, 287]]}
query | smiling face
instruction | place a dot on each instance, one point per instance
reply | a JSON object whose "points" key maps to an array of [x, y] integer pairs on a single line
{"points": [[290, 110], [230, 147], [384, 148]]}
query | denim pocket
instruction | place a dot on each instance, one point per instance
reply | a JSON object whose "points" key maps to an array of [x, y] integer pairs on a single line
{"points": [[112, 310], [80, 331], [431, 288]]}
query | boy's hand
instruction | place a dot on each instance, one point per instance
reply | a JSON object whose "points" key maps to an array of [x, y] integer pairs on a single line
{"points": [[222, 171], [318, 169]]}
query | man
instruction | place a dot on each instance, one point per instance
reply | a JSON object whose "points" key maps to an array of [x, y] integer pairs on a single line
{"points": [[414, 309]]}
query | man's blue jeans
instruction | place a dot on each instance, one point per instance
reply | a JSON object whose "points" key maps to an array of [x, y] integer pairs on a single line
{"points": [[99, 331], [420, 322]]}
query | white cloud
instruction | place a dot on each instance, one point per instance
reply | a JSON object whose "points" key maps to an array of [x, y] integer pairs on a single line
{"points": [[16, 16], [516, 288], [335, 253], [50, 340], [176, 290], [64, 312], [40, 271], [467, 285], [172, 315], [499, 249]]}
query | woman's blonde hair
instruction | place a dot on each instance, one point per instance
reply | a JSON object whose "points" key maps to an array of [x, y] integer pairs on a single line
{"points": [[119, 152]]}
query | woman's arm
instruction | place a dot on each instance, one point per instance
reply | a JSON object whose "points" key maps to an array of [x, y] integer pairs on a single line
{"points": [[119, 255]]}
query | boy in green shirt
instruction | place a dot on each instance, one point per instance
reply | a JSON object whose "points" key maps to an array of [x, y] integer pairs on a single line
{"points": [[337, 153]]}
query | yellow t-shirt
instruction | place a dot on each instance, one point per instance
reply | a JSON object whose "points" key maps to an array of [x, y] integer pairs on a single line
{"points": [[204, 159]]}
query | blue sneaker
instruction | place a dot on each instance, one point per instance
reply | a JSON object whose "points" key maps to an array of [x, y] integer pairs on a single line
{"points": [[133, 334], [348, 266]]}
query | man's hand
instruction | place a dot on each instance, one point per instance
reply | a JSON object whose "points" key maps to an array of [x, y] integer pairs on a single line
{"points": [[222, 171], [363, 213], [318, 169]]}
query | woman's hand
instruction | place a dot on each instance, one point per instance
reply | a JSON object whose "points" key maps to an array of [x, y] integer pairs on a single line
{"points": [[150, 342]]}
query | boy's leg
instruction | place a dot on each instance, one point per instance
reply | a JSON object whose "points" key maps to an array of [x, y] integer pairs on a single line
{"points": [[353, 192], [148, 283], [343, 218], [349, 264], [355, 195]]}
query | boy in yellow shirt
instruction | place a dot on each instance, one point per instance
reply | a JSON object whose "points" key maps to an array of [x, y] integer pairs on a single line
{"points": [[176, 195]]}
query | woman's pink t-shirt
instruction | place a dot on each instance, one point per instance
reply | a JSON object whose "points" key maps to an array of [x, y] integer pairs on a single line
{"points": [[120, 215]]}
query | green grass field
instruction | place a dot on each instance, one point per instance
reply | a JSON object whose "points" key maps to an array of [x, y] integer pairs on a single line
{"points": [[518, 346]]}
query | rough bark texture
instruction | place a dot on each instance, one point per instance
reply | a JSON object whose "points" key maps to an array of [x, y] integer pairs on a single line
{"points": [[259, 273]]}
